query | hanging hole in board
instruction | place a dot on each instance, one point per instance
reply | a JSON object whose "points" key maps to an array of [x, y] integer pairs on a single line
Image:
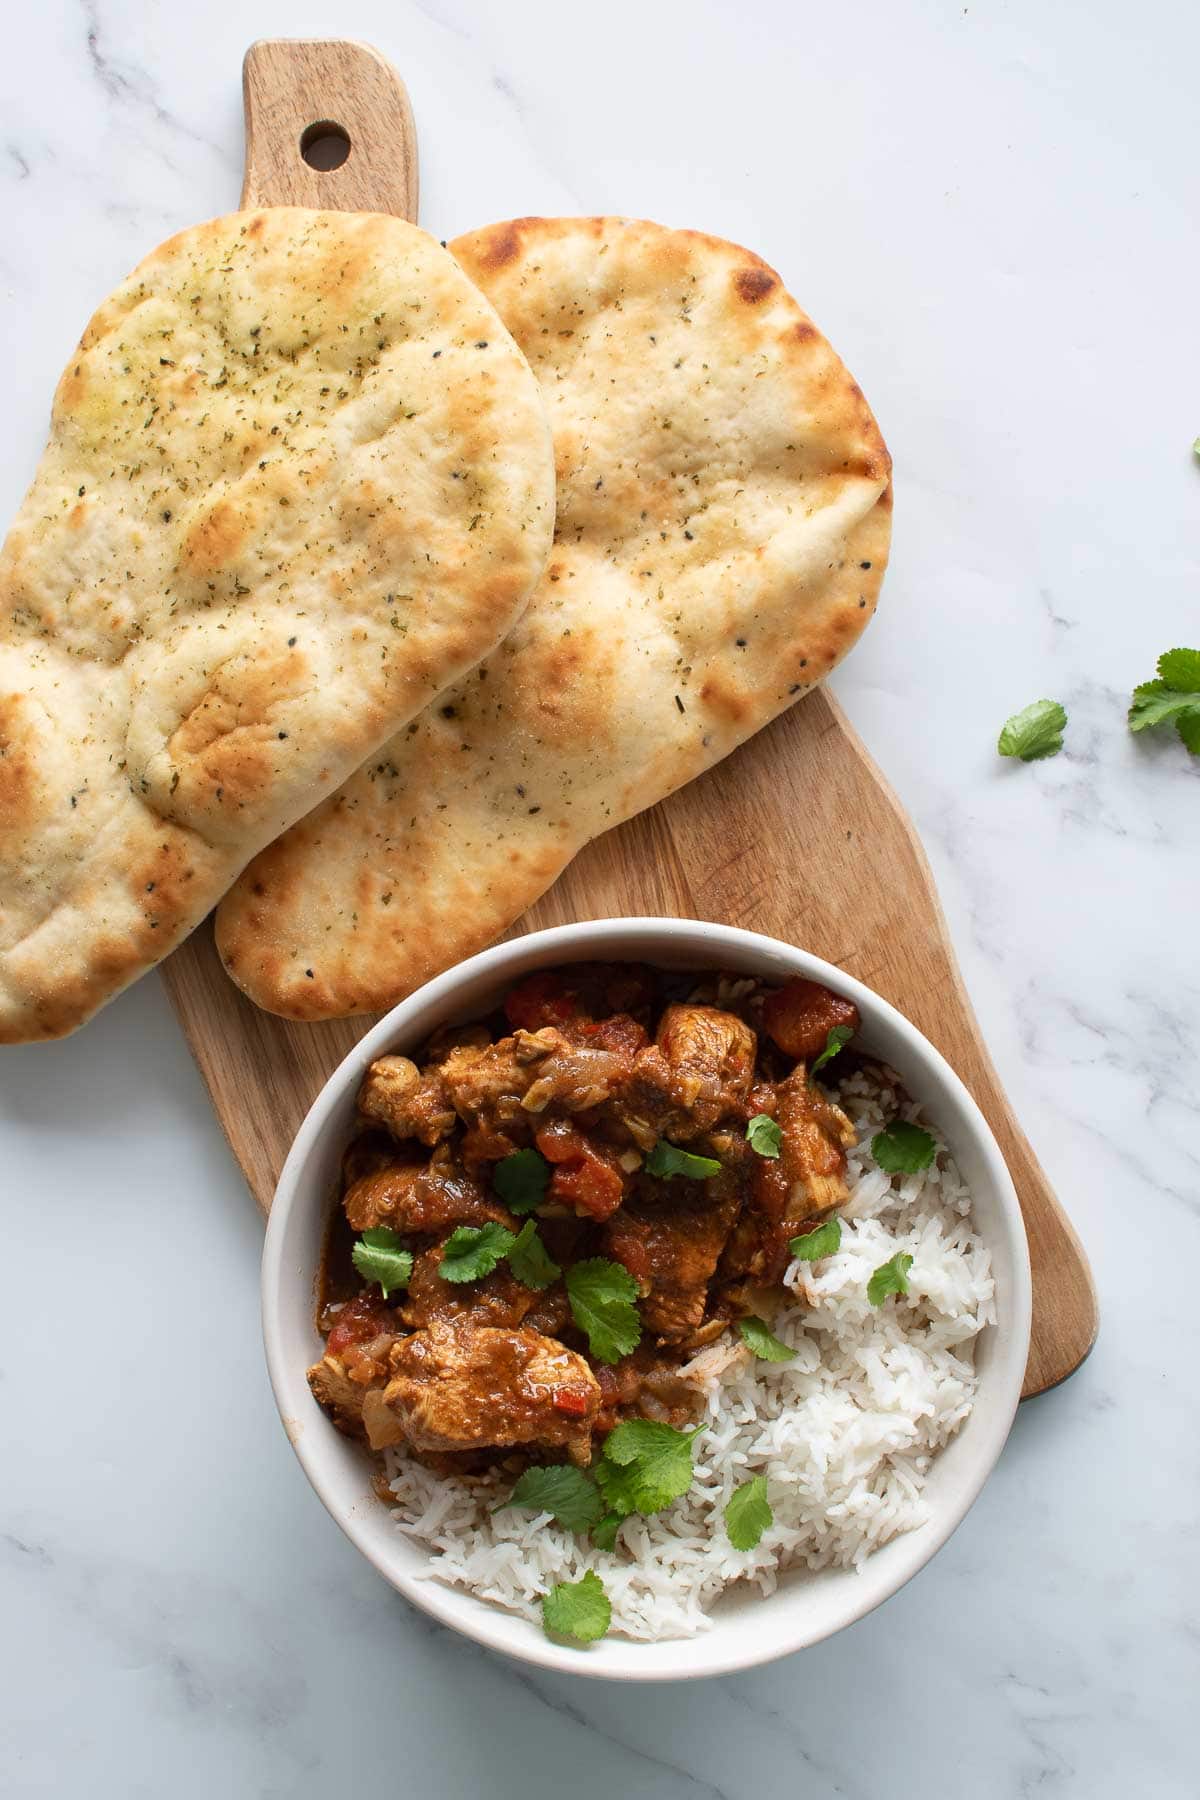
{"points": [[324, 145]]}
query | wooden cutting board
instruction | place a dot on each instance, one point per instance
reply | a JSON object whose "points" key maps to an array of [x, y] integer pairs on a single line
{"points": [[797, 834]]}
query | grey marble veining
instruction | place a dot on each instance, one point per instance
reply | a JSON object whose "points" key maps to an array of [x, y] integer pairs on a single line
{"points": [[991, 210]]}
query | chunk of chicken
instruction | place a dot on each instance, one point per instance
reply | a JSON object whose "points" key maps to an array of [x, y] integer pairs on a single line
{"points": [[366, 1155], [499, 1299], [671, 1242], [799, 1187], [410, 1104], [524, 1074], [476, 1387], [799, 1017], [342, 1398], [356, 1358], [420, 1197], [812, 1154], [697, 1072]]}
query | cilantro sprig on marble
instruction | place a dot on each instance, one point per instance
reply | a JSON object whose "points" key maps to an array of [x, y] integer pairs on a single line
{"points": [[1034, 732], [1172, 699]]}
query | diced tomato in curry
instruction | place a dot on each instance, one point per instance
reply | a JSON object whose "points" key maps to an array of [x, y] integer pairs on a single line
{"points": [[572, 1401], [800, 1016], [542, 999], [360, 1320], [601, 1063], [586, 1176]]}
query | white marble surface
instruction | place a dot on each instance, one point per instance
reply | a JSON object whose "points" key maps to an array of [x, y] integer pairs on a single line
{"points": [[991, 209]]}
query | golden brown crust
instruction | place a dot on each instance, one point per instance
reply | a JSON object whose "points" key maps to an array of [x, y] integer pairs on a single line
{"points": [[299, 477], [724, 509]]}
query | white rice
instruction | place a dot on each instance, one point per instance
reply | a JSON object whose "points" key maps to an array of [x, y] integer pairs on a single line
{"points": [[844, 1433]]}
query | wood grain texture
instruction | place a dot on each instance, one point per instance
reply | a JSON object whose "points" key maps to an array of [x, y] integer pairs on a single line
{"points": [[797, 834], [291, 84]]}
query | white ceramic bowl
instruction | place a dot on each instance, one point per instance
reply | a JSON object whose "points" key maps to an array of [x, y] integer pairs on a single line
{"points": [[747, 1628]]}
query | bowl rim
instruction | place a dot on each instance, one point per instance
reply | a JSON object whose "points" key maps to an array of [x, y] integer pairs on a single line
{"points": [[490, 1625]]}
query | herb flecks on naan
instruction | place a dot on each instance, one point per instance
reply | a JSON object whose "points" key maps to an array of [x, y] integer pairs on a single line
{"points": [[299, 478], [724, 510]]}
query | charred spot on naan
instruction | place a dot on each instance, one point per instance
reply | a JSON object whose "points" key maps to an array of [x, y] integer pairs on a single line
{"points": [[242, 695], [72, 390], [215, 539], [726, 698], [573, 679], [161, 882], [753, 283], [19, 784]]}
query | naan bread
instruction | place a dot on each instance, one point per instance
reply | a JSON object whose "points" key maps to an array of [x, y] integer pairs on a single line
{"points": [[299, 478], [723, 521]]}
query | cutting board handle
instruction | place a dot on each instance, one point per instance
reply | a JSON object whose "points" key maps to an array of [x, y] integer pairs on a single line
{"points": [[311, 101], [797, 834]]}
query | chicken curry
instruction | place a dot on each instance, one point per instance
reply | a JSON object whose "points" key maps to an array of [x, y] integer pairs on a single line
{"points": [[545, 1216]]}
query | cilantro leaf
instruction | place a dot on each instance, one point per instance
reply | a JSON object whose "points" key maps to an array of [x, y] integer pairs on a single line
{"points": [[748, 1513], [572, 1497], [620, 1488], [577, 1609], [764, 1135], [1034, 732], [645, 1465], [472, 1251], [836, 1039], [602, 1294], [762, 1340], [604, 1535], [666, 1159], [379, 1255], [890, 1277], [826, 1240], [530, 1261], [903, 1149], [1154, 703], [1180, 669], [521, 1180], [1173, 699]]}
